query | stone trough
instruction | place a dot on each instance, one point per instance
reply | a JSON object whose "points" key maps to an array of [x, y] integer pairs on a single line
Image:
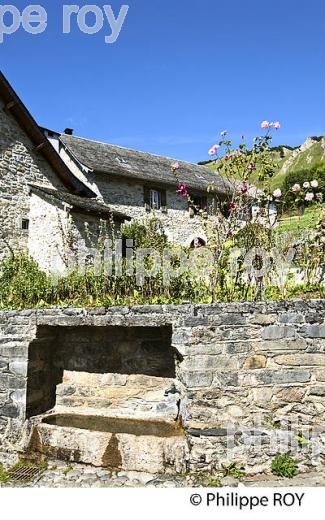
{"points": [[125, 444], [108, 420]]}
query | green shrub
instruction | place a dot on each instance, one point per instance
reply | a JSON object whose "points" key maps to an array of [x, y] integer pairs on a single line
{"points": [[317, 173], [232, 471], [284, 466], [4, 477], [149, 234], [22, 283]]}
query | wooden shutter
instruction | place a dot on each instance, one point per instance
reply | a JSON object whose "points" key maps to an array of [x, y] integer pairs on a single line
{"points": [[146, 196], [163, 198]]}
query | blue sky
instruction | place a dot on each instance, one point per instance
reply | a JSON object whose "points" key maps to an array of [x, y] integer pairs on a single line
{"points": [[180, 72]]}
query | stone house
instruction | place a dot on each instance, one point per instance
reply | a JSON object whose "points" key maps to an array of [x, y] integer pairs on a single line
{"points": [[61, 194]]}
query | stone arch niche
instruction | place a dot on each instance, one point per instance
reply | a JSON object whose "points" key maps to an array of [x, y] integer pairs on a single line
{"points": [[136, 352]]}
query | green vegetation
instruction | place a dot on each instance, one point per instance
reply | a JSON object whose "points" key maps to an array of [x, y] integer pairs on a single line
{"points": [[23, 285], [284, 466], [302, 441], [296, 224], [204, 479], [4, 477], [232, 471]]}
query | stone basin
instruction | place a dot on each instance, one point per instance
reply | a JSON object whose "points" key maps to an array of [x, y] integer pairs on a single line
{"points": [[119, 443]]}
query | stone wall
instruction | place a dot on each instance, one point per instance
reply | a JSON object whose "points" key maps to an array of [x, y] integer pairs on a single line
{"points": [[47, 238], [127, 196], [20, 164], [247, 373]]}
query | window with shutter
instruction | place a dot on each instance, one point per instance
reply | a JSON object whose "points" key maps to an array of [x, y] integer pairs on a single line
{"points": [[155, 199]]}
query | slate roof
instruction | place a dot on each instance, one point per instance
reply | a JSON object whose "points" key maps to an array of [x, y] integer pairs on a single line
{"points": [[131, 164], [82, 205]]}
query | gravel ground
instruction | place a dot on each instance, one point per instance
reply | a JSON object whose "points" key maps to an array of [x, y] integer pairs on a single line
{"points": [[63, 475]]}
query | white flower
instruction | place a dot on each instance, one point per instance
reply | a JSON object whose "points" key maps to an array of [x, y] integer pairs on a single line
{"points": [[277, 194], [296, 188], [306, 184], [314, 184], [309, 196]]}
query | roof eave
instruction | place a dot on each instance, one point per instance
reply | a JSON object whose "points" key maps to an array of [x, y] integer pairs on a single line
{"points": [[17, 109]]}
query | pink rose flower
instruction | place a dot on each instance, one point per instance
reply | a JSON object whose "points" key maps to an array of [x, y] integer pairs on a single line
{"points": [[214, 149], [309, 196], [277, 125], [265, 125], [277, 194], [176, 166], [182, 190], [314, 184], [296, 188], [306, 184]]}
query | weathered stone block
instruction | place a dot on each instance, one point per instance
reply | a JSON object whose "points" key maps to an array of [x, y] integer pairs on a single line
{"points": [[320, 375], [280, 377], [292, 394], [224, 379], [317, 391], [201, 362], [211, 349], [233, 319], [313, 331], [255, 362], [263, 319], [284, 344], [262, 395], [197, 379], [278, 332], [240, 347], [291, 317], [301, 359]]}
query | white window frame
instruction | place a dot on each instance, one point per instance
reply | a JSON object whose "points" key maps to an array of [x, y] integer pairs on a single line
{"points": [[155, 199]]}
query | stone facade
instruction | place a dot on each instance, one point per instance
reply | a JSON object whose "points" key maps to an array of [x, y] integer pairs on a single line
{"points": [[127, 196], [246, 374], [20, 165], [53, 234]]}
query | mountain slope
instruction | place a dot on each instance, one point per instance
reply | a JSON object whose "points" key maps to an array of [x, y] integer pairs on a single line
{"points": [[288, 160]]}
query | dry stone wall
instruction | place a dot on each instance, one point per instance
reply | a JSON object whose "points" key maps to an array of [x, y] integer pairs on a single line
{"points": [[251, 376]]}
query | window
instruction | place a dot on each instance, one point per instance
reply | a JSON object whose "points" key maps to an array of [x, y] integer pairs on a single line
{"points": [[199, 203], [24, 224], [155, 198]]}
